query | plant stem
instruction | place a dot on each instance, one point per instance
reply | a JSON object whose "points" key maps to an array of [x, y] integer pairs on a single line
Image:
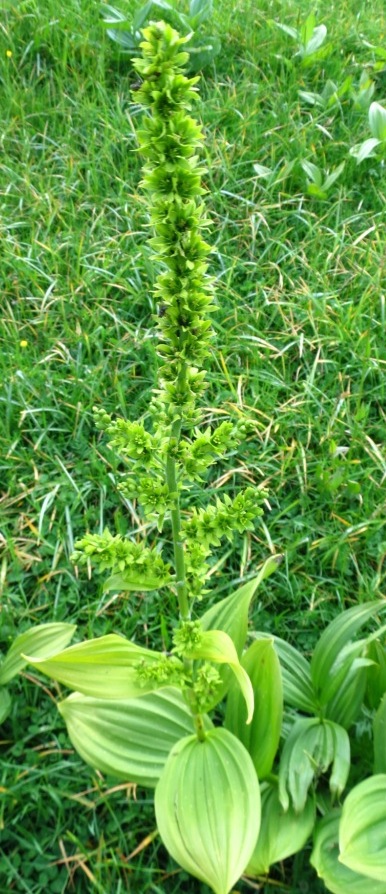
{"points": [[199, 725], [171, 480], [178, 548]]}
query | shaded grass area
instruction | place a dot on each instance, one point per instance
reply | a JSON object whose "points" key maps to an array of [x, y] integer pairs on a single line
{"points": [[301, 350]]}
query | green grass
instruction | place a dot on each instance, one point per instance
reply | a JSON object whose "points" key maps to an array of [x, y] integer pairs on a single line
{"points": [[300, 349]]}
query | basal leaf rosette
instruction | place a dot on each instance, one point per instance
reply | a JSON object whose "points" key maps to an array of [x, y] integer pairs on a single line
{"points": [[207, 805]]}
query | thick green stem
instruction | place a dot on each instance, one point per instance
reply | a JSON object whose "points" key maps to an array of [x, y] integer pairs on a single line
{"points": [[178, 547], [179, 559], [199, 727]]}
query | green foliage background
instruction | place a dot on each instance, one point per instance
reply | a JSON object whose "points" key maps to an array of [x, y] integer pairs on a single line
{"points": [[301, 351]]}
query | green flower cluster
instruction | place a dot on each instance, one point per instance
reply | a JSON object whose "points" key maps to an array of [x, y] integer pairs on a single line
{"points": [[196, 568], [166, 671], [129, 439], [144, 452], [208, 526], [200, 685], [205, 687], [196, 457], [152, 494], [169, 139], [187, 637], [119, 555]]}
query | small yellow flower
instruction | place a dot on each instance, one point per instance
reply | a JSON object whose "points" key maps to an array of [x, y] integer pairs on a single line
{"points": [[23, 343], [9, 54]]}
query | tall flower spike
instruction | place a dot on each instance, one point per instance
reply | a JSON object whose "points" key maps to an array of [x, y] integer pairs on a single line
{"points": [[170, 140]]}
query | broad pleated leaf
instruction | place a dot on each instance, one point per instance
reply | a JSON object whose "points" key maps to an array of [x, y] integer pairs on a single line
{"points": [[296, 675], [362, 829], [327, 668], [325, 859], [344, 708], [217, 646], [312, 746], [379, 738], [282, 833], [231, 616], [261, 737], [101, 667], [231, 613], [128, 738], [43, 640], [207, 805], [376, 674], [351, 660]]}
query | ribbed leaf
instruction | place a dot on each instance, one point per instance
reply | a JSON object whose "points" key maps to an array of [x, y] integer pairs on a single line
{"points": [[101, 667], [261, 737], [327, 661], [287, 29], [364, 150], [217, 646], [112, 15], [5, 704], [362, 829], [333, 176], [341, 758], [44, 640], [313, 172], [207, 805], [345, 706], [231, 616], [124, 37], [296, 676], [351, 660], [376, 674], [128, 738], [318, 37], [312, 746], [282, 833], [377, 121], [231, 613], [379, 738], [325, 860]]}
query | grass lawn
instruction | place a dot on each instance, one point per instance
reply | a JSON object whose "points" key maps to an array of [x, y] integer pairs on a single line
{"points": [[301, 351]]}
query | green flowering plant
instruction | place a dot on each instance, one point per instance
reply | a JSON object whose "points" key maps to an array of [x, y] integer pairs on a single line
{"points": [[240, 796]]}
